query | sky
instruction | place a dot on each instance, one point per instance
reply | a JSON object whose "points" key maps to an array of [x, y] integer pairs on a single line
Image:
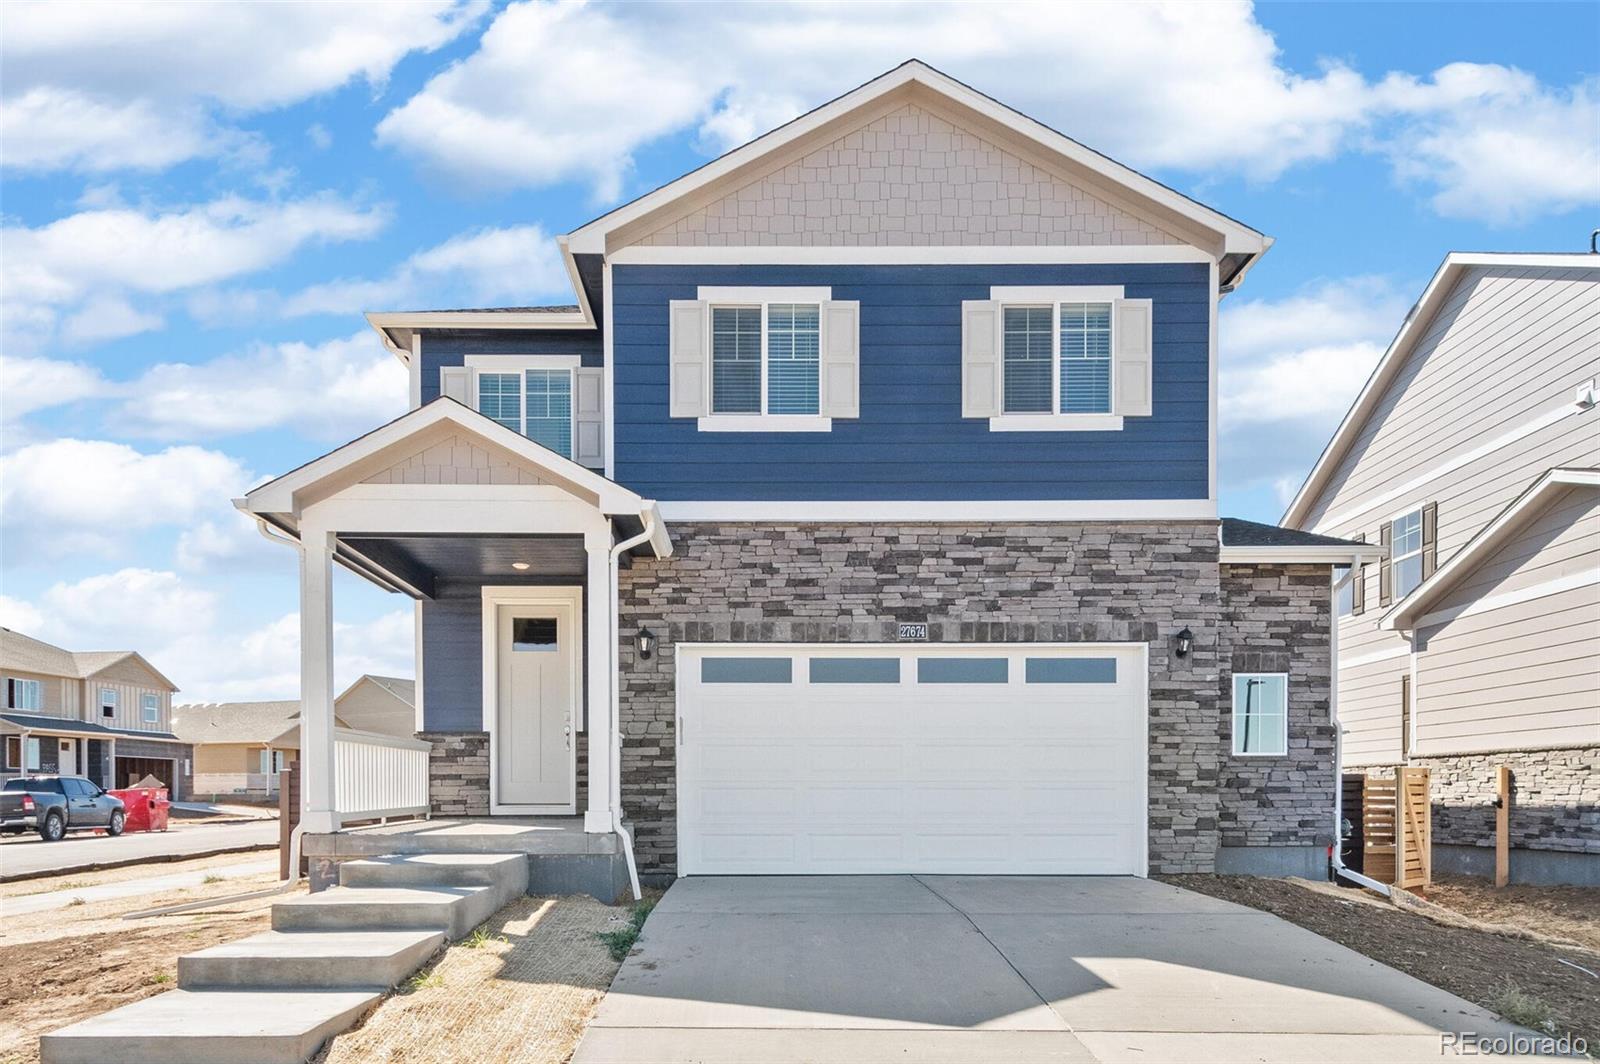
{"points": [[200, 200]]}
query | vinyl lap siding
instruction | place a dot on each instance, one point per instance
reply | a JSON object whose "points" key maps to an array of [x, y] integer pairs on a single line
{"points": [[1508, 345], [910, 442]]}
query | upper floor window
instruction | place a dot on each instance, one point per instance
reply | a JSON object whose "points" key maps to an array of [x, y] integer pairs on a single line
{"points": [[1405, 552], [150, 708], [766, 359], [108, 702], [24, 694], [534, 402], [1057, 359]]}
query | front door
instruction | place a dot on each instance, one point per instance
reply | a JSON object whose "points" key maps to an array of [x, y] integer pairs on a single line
{"points": [[535, 708], [67, 760]]}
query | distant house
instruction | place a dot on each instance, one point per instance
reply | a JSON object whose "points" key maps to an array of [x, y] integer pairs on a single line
{"points": [[104, 714], [1473, 457], [240, 747]]}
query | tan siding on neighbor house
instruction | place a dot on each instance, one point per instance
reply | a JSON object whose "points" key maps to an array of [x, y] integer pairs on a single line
{"points": [[227, 758], [909, 177], [370, 707], [1526, 673], [1507, 348], [58, 696], [130, 681]]}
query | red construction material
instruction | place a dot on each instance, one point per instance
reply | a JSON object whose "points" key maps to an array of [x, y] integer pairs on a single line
{"points": [[146, 808]]}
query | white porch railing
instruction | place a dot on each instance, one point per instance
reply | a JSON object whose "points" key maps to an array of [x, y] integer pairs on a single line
{"points": [[376, 775]]}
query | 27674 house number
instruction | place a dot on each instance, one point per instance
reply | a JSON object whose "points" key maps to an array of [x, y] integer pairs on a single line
{"points": [[913, 631]]}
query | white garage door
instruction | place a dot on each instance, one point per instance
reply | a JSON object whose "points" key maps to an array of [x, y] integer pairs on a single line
{"points": [[976, 758]]}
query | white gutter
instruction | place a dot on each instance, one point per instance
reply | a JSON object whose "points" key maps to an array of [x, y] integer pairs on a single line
{"points": [[1338, 742], [647, 534]]}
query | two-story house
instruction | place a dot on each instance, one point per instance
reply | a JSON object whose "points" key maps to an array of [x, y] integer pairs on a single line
{"points": [[860, 516], [1473, 455], [103, 714]]}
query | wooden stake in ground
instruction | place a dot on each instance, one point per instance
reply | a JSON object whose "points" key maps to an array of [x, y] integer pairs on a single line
{"points": [[1502, 826]]}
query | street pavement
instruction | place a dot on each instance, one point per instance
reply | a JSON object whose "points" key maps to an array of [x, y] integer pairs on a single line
{"points": [[24, 856]]}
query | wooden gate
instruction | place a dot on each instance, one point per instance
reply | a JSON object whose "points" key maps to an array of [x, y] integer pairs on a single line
{"points": [[1413, 830], [1377, 828]]}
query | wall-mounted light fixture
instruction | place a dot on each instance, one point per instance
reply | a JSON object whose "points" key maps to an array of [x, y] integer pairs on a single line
{"points": [[1182, 643], [520, 567], [645, 643]]}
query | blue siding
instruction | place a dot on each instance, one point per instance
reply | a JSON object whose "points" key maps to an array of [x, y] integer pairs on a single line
{"points": [[911, 442], [452, 664], [451, 347]]}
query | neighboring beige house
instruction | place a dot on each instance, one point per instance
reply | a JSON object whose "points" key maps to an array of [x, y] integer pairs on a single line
{"points": [[240, 747], [104, 714], [1473, 455]]}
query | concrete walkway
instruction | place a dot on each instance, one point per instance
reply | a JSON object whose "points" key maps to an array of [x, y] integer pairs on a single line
{"points": [[1024, 969]]}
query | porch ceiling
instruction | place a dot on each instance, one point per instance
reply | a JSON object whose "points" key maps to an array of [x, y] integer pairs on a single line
{"points": [[427, 562]]}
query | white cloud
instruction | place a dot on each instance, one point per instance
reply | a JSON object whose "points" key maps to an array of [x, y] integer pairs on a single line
{"points": [[1495, 145], [29, 384], [196, 637], [97, 86], [328, 391], [1290, 368], [528, 109], [68, 497], [83, 268], [475, 268]]}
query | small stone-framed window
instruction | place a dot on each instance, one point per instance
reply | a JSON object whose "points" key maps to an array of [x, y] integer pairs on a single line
{"points": [[1260, 714]]}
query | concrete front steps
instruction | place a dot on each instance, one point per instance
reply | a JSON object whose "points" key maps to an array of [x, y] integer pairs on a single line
{"points": [[274, 998]]}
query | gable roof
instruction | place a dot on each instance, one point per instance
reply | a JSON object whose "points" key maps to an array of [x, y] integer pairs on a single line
{"points": [[1406, 613], [909, 79], [232, 722], [1252, 541], [1412, 329], [403, 689], [26, 654]]}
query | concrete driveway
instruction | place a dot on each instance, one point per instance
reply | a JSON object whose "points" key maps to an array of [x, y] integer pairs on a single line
{"points": [[1016, 968]]}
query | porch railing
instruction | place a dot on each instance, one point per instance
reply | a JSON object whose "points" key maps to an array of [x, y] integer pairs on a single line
{"points": [[377, 775]]}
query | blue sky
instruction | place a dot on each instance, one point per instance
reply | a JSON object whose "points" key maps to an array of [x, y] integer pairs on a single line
{"points": [[200, 200]]}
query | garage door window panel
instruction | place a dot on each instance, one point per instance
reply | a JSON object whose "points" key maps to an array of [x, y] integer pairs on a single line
{"points": [[1071, 670], [855, 670], [1260, 714], [963, 670], [746, 670]]}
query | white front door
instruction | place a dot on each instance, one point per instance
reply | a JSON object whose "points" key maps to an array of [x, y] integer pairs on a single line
{"points": [[942, 758], [535, 702], [67, 762]]}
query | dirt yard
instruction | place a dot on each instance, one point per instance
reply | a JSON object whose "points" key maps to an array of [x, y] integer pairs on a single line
{"points": [[522, 989], [68, 964], [1517, 938]]}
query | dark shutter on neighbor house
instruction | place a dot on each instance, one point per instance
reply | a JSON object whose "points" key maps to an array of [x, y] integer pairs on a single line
{"points": [[1405, 715], [1385, 573], [1430, 530], [1358, 585]]}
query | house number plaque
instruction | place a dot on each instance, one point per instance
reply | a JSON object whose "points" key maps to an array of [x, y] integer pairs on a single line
{"points": [[913, 631]]}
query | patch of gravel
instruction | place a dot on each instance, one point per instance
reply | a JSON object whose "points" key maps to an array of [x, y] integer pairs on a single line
{"points": [[525, 993], [1473, 960]]}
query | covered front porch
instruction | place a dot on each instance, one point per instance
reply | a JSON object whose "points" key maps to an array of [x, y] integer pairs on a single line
{"points": [[510, 553]]}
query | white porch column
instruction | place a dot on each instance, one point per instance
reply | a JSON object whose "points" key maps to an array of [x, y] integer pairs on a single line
{"points": [[597, 713], [318, 812]]}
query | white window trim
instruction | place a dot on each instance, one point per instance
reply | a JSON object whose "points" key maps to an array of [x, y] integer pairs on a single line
{"points": [[479, 364], [16, 685], [114, 701], [1234, 698], [150, 714], [1394, 560], [1054, 296], [715, 296]]}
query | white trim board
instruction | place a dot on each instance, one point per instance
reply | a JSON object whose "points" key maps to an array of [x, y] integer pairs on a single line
{"points": [[908, 255], [962, 511], [1489, 603], [562, 597]]}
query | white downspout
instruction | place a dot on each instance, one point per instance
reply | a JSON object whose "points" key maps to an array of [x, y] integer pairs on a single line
{"points": [[615, 803], [1338, 738]]}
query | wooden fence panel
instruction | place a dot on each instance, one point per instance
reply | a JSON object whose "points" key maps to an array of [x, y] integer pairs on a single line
{"points": [[1378, 828], [1353, 849], [288, 815], [1414, 830]]}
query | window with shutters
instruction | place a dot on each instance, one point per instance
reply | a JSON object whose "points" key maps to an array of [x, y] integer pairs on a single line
{"points": [[1405, 552], [531, 395], [766, 359], [1056, 359]]}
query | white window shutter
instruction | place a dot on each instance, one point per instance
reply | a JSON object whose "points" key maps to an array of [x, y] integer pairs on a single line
{"points": [[455, 382], [840, 373], [1132, 358], [689, 357], [980, 358], [589, 418]]}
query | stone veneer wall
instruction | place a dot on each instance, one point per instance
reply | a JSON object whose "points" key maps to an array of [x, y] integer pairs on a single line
{"points": [[1047, 582], [458, 773], [1555, 798], [1276, 618]]}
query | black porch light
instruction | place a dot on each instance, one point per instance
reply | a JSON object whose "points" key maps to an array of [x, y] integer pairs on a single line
{"points": [[645, 643], [1182, 643]]}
